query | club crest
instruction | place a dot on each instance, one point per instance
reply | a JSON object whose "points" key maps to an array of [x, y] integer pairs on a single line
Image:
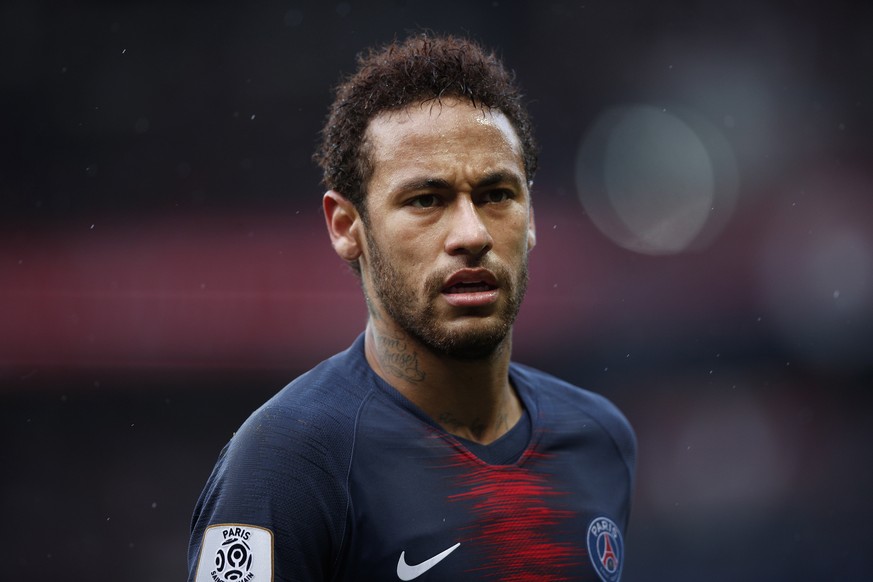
{"points": [[605, 548]]}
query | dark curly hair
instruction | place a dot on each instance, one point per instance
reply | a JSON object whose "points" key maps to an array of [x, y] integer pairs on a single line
{"points": [[421, 68]]}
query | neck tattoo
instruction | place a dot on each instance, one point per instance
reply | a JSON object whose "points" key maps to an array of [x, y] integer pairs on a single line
{"points": [[399, 360]]}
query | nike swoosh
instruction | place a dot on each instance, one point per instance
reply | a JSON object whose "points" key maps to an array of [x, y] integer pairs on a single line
{"points": [[407, 572]]}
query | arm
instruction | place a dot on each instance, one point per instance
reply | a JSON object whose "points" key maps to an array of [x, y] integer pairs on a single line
{"points": [[275, 504]]}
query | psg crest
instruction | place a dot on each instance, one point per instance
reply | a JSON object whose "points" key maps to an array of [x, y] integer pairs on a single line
{"points": [[605, 548]]}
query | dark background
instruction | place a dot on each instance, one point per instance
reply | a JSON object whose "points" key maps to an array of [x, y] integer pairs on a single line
{"points": [[164, 267]]}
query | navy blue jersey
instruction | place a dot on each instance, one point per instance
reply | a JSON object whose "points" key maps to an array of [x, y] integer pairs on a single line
{"points": [[340, 477]]}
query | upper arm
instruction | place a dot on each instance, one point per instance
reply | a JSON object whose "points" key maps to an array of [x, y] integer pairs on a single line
{"points": [[277, 475]]}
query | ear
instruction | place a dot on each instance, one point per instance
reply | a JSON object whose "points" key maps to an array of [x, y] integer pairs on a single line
{"points": [[343, 225], [531, 230]]}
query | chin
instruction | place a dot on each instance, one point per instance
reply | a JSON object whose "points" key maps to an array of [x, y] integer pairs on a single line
{"points": [[479, 343]]}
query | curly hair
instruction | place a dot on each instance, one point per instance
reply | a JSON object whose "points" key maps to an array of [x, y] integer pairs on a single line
{"points": [[421, 68]]}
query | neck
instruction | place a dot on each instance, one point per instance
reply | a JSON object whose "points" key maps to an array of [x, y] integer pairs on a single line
{"points": [[472, 399]]}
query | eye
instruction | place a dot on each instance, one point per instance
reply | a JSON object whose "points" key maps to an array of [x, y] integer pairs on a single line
{"points": [[497, 196], [424, 201]]}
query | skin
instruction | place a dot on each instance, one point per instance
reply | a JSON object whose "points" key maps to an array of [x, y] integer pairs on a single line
{"points": [[447, 202]]}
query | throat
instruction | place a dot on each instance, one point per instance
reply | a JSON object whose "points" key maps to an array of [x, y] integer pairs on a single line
{"points": [[482, 430], [506, 449]]}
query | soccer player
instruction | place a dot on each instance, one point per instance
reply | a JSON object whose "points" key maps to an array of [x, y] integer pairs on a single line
{"points": [[422, 452]]}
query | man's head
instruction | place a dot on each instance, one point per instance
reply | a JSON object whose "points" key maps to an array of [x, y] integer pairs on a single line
{"points": [[420, 69], [443, 223]]}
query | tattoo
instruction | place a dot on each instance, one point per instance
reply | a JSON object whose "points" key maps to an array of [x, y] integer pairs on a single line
{"points": [[397, 359], [477, 427]]}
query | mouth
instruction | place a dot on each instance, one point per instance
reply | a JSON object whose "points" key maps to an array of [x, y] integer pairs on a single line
{"points": [[471, 288]]}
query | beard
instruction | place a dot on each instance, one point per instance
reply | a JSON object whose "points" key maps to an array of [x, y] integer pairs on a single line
{"points": [[414, 310]]}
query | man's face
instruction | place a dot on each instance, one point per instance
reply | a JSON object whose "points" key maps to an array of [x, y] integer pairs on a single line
{"points": [[449, 226]]}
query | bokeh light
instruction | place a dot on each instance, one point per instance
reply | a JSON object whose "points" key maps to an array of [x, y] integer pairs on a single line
{"points": [[816, 270], [656, 181]]}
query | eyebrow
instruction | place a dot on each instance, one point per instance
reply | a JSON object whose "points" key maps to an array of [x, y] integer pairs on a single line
{"points": [[490, 179], [499, 177], [424, 184]]}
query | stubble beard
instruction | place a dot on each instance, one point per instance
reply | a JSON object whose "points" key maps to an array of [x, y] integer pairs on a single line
{"points": [[403, 305]]}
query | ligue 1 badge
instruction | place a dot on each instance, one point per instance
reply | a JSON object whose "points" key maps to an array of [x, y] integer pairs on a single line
{"points": [[236, 553], [605, 548]]}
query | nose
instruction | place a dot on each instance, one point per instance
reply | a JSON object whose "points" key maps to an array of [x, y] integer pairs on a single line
{"points": [[468, 233]]}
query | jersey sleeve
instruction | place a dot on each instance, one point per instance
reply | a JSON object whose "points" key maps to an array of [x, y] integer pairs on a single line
{"points": [[276, 502], [620, 430]]}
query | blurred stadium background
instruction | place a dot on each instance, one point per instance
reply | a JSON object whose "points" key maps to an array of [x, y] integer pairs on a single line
{"points": [[705, 260]]}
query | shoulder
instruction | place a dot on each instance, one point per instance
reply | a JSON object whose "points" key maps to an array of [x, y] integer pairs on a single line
{"points": [[569, 395], [285, 469], [568, 403], [302, 439], [317, 409]]}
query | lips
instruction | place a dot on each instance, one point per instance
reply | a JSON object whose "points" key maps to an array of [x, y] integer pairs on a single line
{"points": [[470, 281], [471, 288]]}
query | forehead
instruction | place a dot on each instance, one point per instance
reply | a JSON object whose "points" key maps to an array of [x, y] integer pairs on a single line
{"points": [[435, 134]]}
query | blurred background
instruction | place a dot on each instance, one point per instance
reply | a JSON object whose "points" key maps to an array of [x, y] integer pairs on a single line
{"points": [[704, 259]]}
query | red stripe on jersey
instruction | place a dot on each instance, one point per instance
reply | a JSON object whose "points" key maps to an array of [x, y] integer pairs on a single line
{"points": [[516, 522]]}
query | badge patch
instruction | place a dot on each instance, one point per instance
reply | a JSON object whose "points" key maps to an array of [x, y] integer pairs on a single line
{"points": [[233, 552], [605, 548]]}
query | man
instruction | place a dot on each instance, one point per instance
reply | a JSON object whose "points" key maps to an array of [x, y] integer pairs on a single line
{"points": [[421, 452]]}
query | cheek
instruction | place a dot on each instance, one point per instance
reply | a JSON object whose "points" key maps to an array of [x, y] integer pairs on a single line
{"points": [[403, 257], [518, 235], [415, 247]]}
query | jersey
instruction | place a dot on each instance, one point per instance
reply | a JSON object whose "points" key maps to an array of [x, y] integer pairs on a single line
{"points": [[340, 477]]}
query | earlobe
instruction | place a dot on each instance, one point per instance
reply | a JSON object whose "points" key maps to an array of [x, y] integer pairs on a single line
{"points": [[531, 230], [343, 222]]}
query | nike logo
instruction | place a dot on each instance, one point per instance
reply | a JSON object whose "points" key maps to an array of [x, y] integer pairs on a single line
{"points": [[407, 572]]}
